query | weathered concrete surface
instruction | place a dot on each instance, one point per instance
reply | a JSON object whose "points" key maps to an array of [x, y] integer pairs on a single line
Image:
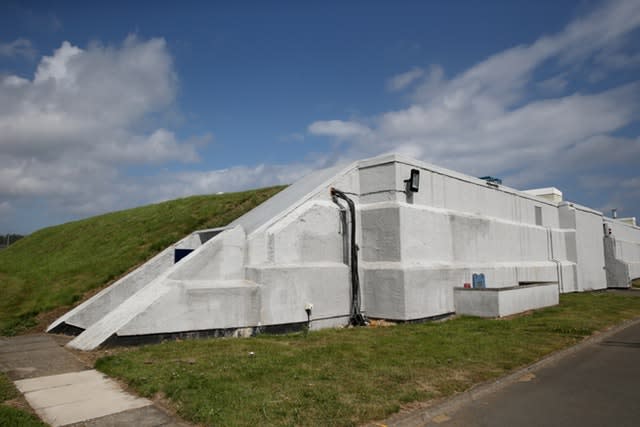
{"points": [[76, 396], [622, 253], [148, 416], [592, 384], [584, 247], [501, 302], [30, 356], [63, 391]]}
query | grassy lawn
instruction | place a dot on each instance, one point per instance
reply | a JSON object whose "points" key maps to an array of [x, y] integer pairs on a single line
{"points": [[9, 415], [58, 266], [349, 376]]}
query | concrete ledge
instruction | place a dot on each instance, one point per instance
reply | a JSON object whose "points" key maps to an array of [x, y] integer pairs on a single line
{"points": [[500, 302]]}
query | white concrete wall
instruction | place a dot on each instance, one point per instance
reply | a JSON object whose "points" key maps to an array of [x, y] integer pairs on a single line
{"points": [[197, 305], [622, 253], [590, 249], [221, 258], [415, 249]]}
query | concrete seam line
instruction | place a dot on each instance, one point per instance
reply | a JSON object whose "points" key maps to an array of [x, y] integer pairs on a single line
{"points": [[421, 416]]}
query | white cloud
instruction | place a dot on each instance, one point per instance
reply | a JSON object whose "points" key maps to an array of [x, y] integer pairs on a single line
{"points": [[487, 120], [17, 48], [338, 129], [402, 81], [554, 84], [231, 179], [56, 67], [67, 133]]}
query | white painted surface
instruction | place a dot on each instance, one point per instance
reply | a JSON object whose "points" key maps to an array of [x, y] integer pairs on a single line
{"points": [[506, 301], [629, 220], [622, 252], [549, 193], [77, 396]]}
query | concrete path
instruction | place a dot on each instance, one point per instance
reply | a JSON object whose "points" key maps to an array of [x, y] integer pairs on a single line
{"points": [[595, 384], [64, 392]]}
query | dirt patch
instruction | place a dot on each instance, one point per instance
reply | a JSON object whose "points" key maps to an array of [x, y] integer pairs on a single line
{"points": [[20, 403], [43, 320]]}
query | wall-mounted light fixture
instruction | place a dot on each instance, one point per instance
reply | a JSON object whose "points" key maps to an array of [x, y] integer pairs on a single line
{"points": [[413, 183]]}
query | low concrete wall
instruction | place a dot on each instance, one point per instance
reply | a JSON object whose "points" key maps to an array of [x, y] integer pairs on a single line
{"points": [[505, 301]]}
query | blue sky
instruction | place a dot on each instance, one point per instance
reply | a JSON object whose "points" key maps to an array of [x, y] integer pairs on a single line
{"points": [[110, 105]]}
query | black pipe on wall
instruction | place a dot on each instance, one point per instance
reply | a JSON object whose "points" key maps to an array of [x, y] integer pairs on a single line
{"points": [[356, 316]]}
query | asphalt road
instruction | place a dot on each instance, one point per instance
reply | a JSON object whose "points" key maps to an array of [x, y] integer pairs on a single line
{"points": [[598, 385]]}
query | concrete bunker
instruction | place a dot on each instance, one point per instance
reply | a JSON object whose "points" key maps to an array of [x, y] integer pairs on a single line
{"points": [[418, 232]]}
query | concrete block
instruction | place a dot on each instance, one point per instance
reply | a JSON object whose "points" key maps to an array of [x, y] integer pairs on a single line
{"points": [[505, 301]]}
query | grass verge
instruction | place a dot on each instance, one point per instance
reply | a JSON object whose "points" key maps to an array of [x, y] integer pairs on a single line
{"points": [[349, 376], [58, 266], [11, 416]]}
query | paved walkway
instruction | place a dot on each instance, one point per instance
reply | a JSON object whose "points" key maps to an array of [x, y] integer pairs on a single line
{"points": [[594, 384], [64, 392]]}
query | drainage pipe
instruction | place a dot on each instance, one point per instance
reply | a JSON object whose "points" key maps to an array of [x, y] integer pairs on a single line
{"points": [[556, 261], [356, 317]]}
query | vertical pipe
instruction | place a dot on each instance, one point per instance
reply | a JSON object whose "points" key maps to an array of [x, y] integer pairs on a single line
{"points": [[357, 318]]}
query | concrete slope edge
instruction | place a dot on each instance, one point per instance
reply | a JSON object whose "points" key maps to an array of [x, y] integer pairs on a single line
{"points": [[286, 201], [129, 280], [421, 416], [135, 304]]}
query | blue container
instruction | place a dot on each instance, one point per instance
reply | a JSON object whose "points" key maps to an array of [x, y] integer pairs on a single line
{"points": [[478, 281]]}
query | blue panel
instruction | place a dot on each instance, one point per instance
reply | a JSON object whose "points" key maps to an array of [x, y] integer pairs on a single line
{"points": [[478, 281]]}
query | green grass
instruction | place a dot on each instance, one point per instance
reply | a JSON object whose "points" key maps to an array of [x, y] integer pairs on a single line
{"points": [[10, 416], [56, 266], [349, 376], [7, 390]]}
